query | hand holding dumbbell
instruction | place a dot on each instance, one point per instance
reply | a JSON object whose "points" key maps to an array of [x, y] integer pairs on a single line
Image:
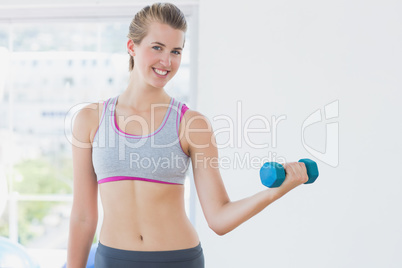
{"points": [[273, 174]]}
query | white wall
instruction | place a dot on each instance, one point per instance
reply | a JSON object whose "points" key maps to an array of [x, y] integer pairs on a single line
{"points": [[292, 58]]}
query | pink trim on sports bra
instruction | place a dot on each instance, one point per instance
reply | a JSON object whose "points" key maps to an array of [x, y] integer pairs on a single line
{"points": [[103, 115], [122, 133], [121, 178], [184, 108]]}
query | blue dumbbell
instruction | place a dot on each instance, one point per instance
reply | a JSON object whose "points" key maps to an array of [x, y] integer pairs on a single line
{"points": [[273, 174]]}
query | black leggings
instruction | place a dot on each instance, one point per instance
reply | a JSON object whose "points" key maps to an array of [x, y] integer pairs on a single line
{"points": [[106, 257]]}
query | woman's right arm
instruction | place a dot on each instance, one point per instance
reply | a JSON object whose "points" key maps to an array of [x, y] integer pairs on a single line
{"points": [[84, 213]]}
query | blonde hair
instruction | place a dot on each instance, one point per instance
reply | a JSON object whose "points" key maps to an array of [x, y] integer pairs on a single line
{"points": [[165, 13]]}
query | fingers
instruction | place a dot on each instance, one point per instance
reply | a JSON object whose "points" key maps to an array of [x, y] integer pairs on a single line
{"points": [[302, 172], [303, 167], [297, 171], [296, 166]]}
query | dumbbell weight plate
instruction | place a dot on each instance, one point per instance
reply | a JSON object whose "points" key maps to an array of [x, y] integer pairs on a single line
{"points": [[312, 170], [272, 174]]}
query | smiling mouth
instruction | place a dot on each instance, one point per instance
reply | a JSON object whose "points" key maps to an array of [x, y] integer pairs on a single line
{"points": [[160, 72]]}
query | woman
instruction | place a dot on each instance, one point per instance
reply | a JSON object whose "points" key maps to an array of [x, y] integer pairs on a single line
{"points": [[145, 224]]}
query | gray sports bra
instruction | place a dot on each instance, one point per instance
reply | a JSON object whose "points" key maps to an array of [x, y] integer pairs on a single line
{"points": [[157, 157]]}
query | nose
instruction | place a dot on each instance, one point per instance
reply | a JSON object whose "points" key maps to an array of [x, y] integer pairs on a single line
{"points": [[165, 59]]}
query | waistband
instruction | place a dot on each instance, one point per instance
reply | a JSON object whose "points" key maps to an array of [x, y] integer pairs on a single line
{"points": [[154, 256]]}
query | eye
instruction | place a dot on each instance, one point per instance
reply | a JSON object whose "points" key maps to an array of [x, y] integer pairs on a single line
{"points": [[176, 52]]}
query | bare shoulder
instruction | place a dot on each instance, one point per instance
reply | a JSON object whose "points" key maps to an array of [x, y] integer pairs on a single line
{"points": [[198, 130], [86, 122], [195, 119]]}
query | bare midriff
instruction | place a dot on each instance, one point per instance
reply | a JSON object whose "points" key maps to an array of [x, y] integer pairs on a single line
{"points": [[145, 216]]}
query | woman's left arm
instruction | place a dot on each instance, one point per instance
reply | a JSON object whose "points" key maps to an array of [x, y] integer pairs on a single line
{"points": [[222, 214]]}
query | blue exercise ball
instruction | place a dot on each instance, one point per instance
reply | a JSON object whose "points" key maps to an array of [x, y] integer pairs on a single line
{"points": [[91, 257], [15, 255]]}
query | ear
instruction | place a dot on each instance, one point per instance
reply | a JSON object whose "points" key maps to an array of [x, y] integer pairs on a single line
{"points": [[130, 47]]}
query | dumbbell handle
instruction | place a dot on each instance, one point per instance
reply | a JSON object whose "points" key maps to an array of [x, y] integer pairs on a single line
{"points": [[273, 174]]}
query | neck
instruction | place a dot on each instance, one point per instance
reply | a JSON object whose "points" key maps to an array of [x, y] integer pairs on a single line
{"points": [[140, 96]]}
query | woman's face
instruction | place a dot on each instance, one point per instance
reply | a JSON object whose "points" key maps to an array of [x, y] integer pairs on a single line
{"points": [[160, 51]]}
